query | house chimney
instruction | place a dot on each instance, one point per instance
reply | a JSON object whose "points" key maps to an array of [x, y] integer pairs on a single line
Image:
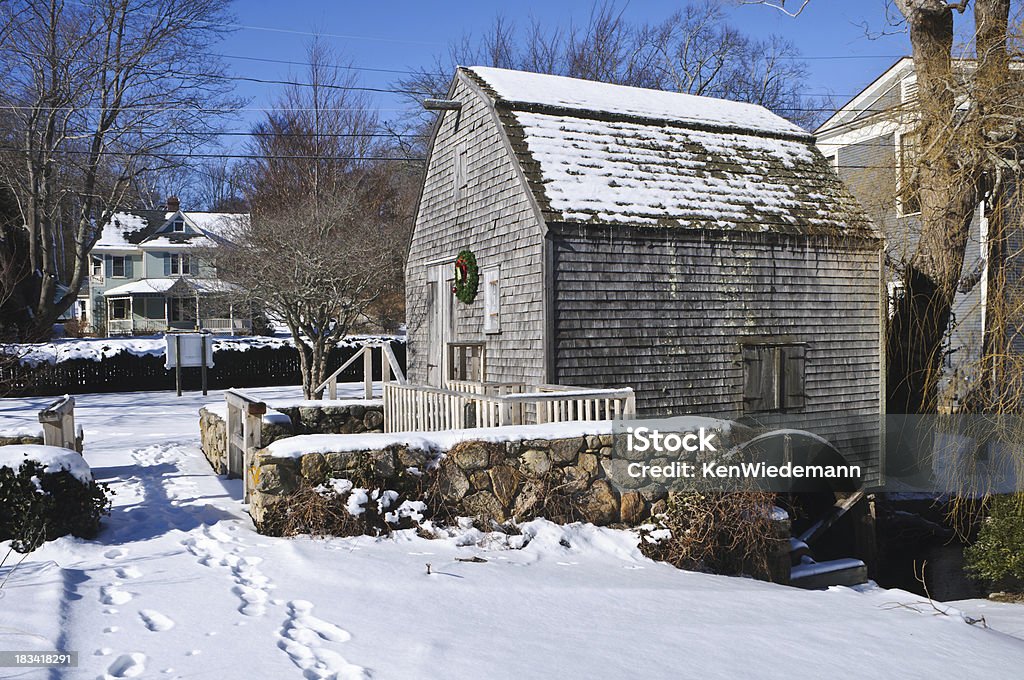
{"points": [[173, 205]]}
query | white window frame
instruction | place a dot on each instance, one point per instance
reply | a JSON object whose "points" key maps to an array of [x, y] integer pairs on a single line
{"points": [[491, 280], [178, 225], [181, 265], [119, 301], [898, 138], [97, 266], [124, 266]]}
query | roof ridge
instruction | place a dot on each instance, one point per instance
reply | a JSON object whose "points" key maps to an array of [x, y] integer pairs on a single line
{"points": [[617, 117]]}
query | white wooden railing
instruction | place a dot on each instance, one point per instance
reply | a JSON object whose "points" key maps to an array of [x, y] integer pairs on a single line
{"points": [[244, 432], [388, 364], [58, 421], [419, 408]]}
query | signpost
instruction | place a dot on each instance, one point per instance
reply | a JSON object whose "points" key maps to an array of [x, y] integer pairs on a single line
{"points": [[188, 350]]}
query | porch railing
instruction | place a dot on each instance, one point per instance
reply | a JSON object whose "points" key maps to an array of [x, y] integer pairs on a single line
{"points": [[466, 404]]}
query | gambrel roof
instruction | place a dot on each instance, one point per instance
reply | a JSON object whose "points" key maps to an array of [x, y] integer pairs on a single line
{"points": [[596, 153]]}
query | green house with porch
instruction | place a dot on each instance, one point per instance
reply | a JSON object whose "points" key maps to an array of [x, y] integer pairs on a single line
{"points": [[146, 276]]}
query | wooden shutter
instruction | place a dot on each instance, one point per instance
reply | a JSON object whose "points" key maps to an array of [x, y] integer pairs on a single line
{"points": [[128, 267], [794, 364], [108, 262], [193, 265], [752, 395], [166, 257]]}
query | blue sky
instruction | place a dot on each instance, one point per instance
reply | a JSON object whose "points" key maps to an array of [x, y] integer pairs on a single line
{"points": [[390, 34]]}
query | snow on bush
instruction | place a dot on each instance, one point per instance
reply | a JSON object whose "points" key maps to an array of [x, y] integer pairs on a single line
{"points": [[47, 492]]}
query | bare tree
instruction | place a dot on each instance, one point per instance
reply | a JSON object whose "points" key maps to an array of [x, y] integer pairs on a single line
{"points": [[96, 93], [695, 50], [329, 229], [967, 122]]}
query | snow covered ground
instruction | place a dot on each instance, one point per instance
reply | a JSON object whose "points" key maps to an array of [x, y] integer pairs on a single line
{"points": [[178, 585]]}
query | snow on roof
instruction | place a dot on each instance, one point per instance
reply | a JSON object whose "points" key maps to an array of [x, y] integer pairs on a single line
{"points": [[223, 225], [163, 285], [117, 232], [587, 95], [140, 228], [607, 154], [143, 286], [52, 458]]}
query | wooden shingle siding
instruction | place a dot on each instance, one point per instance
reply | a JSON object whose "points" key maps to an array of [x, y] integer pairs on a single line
{"points": [[494, 217], [666, 315]]}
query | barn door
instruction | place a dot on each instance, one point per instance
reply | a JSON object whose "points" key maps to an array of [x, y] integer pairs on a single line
{"points": [[441, 323]]}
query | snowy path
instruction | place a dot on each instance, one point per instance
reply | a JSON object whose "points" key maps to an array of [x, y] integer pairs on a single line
{"points": [[178, 585]]}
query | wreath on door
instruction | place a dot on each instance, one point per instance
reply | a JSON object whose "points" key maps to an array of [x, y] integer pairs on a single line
{"points": [[467, 277]]}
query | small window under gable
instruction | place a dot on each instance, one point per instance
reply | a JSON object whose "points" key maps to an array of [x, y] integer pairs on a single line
{"points": [[461, 173], [178, 224], [773, 377], [492, 299]]}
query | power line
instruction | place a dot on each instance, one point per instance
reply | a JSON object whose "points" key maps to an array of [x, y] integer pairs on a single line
{"points": [[169, 154]]}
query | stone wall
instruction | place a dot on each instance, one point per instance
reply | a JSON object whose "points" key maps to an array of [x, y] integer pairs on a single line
{"points": [[562, 479], [322, 418], [213, 436], [8, 439], [325, 418]]}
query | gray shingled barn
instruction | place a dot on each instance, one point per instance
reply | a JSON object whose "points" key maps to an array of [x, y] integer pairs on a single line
{"points": [[699, 251]]}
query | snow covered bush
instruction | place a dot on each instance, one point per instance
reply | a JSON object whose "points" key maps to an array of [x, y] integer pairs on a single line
{"points": [[998, 554], [38, 504], [729, 533]]}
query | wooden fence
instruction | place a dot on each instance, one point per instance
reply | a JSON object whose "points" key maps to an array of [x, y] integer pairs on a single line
{"points": [[418, 408], [243, 432], [125, 372]]}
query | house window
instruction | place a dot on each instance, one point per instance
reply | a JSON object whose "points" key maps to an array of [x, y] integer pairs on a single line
{"points": [[178, 225], [909, 197], [896, 291], [773, 377], [97, 266], [182, 309], [118, 266], [181, 264], [492, 300], [118, 309]]}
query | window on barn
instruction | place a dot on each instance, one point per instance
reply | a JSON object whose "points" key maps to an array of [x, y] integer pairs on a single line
{"points": [[461, 173], [118, 309], [118, 266], [492, 300], [773, 377], [909, 198]]}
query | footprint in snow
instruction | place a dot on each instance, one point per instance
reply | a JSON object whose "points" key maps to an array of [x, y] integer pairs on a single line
{"points": [[155, 621], [114, 553], [127, 572], [303, 636], [130, 665], [113, 595]]}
